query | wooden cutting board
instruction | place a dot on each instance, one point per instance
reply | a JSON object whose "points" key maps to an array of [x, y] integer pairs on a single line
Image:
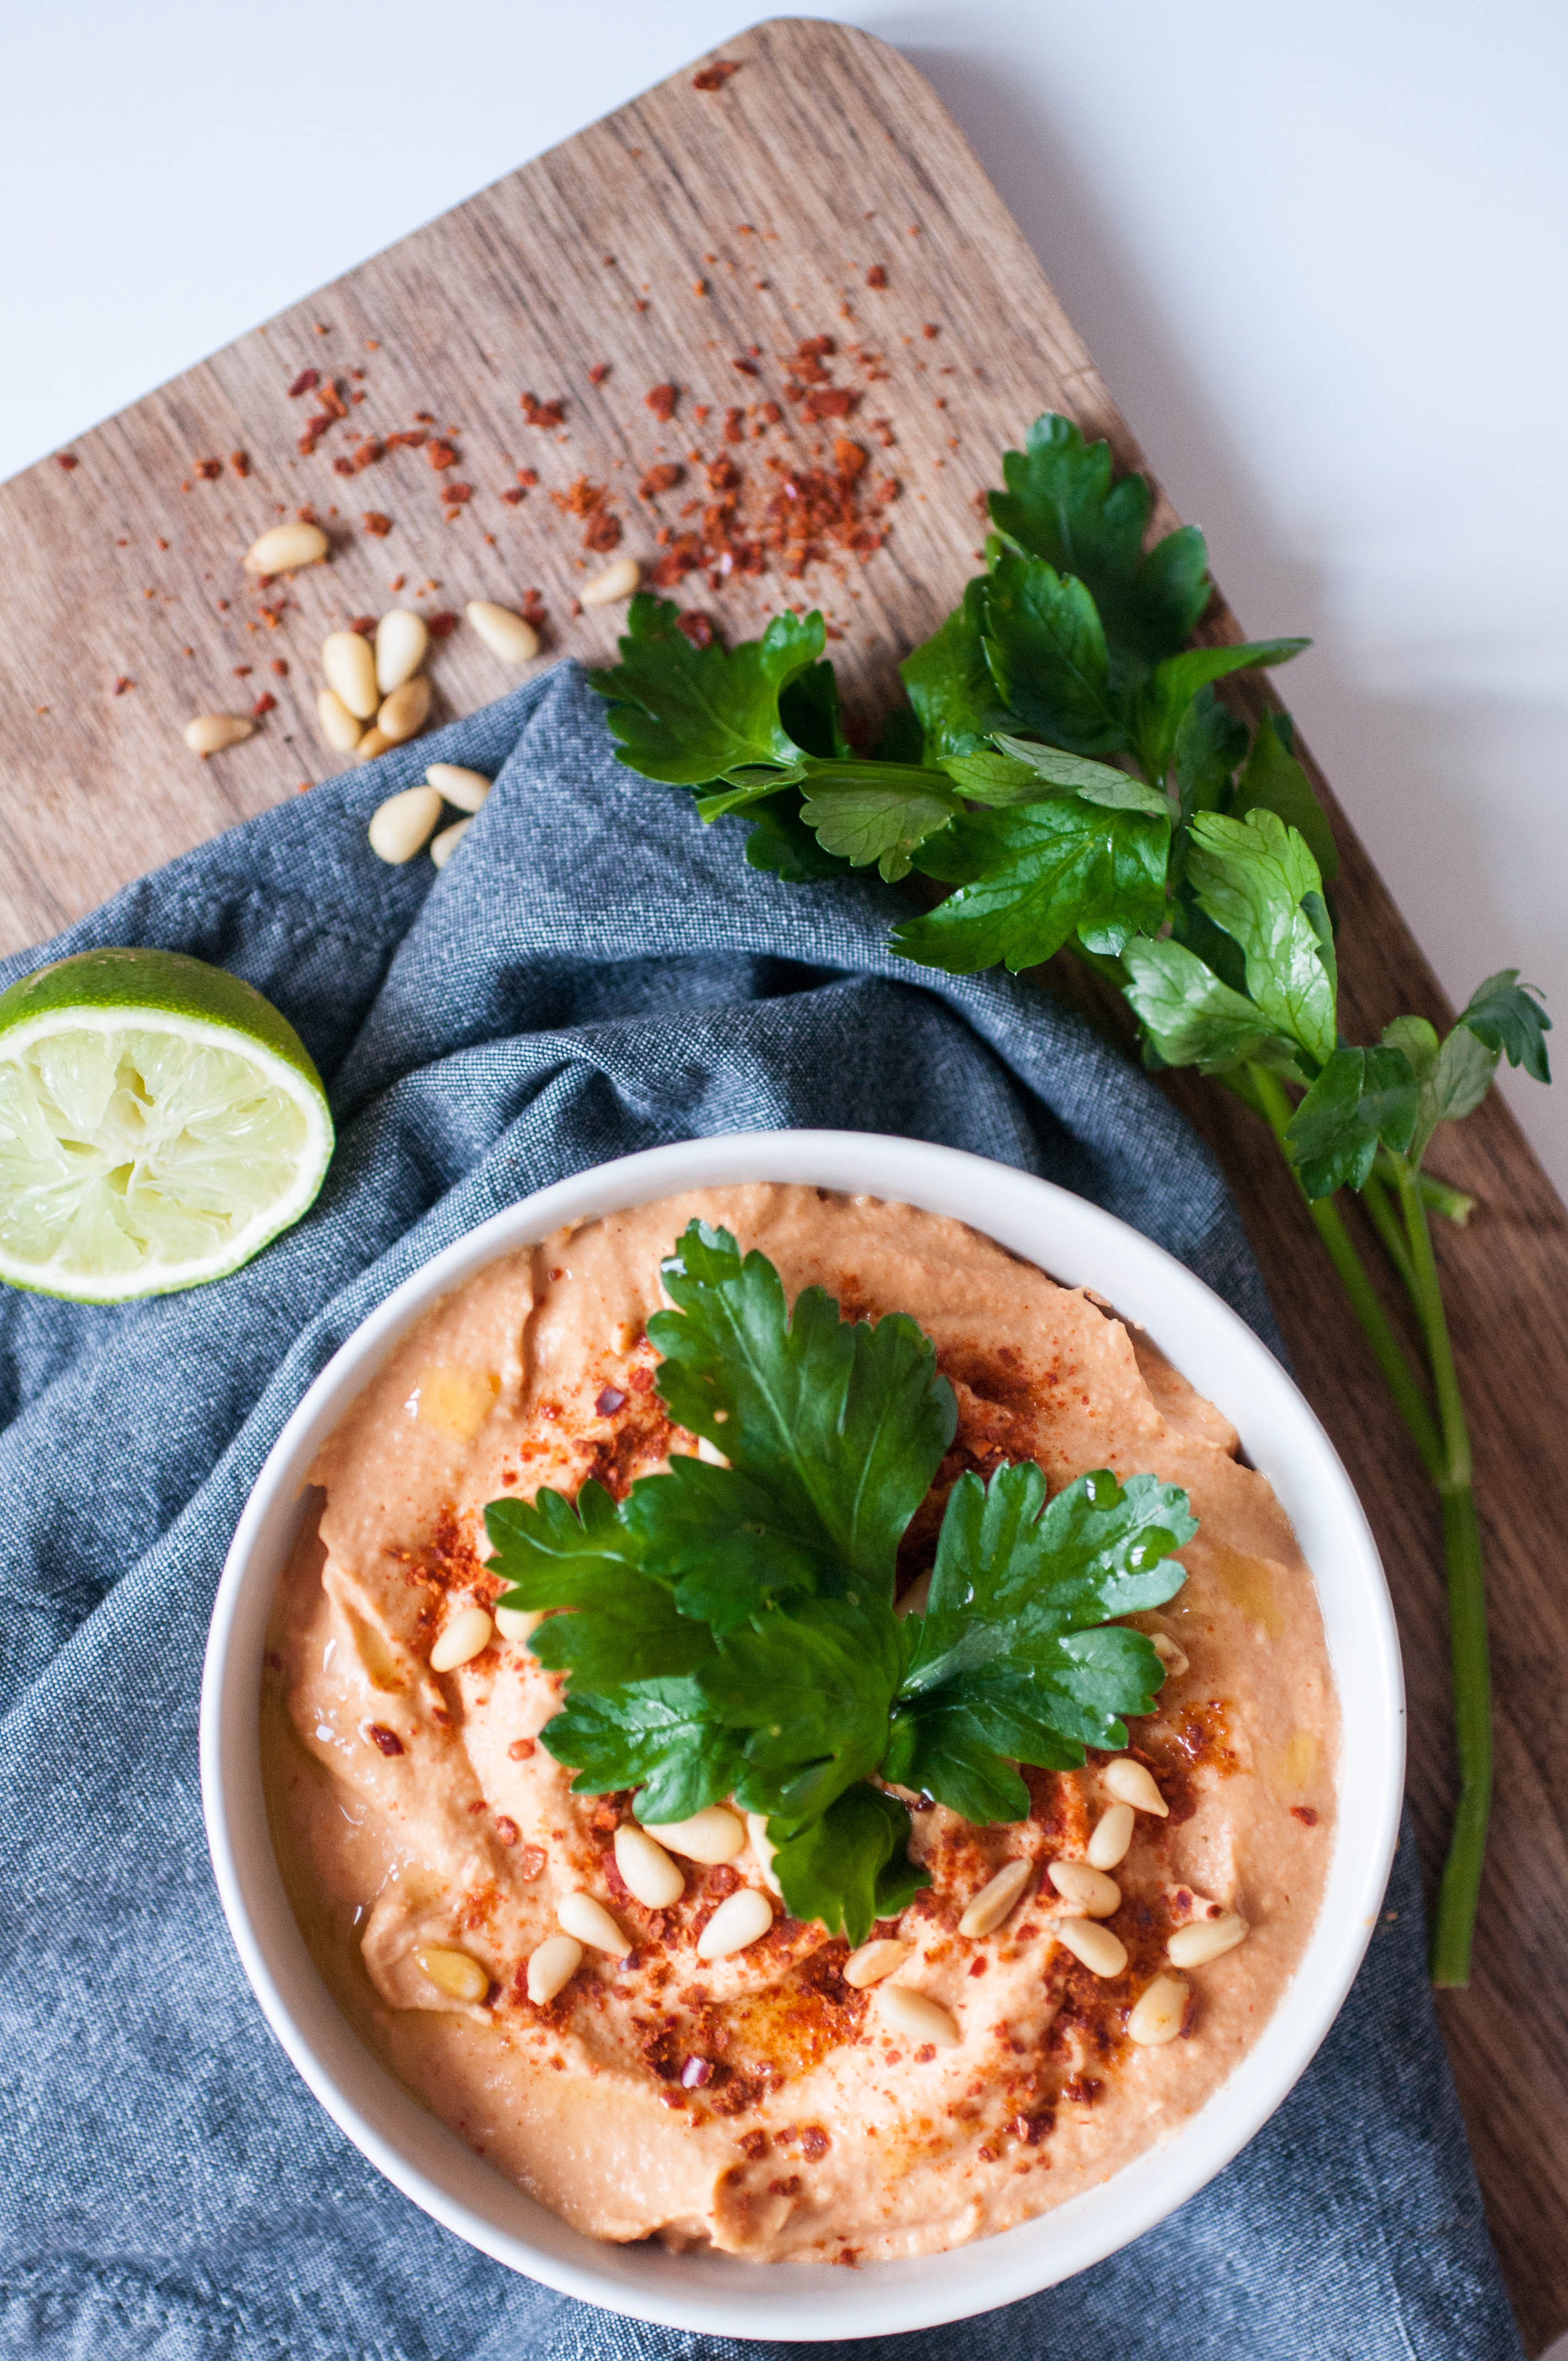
{"points": [[697, 229]]}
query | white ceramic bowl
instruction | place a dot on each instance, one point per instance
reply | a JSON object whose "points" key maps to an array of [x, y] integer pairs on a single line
{"points": [[719, 2294]]}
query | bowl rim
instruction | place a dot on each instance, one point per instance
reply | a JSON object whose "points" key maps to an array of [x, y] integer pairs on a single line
{"points": [[1080, 1245]]}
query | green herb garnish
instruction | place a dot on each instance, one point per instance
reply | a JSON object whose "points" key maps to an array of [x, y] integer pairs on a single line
{"points": [[732, 1631], [1066, 767]]}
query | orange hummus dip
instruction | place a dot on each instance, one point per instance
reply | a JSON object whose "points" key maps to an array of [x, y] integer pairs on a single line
{"points": [[760, 2103]]}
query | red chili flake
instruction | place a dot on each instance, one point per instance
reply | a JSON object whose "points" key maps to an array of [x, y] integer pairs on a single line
{"points": [[506, 1829], [828, 401], [425, 417], [341, 466], [603, 532], [847, 458], [124, 681], [408, 438], [208, 469], [1305, 1814], [368, 452], [66, 459], [697, 627], [887, 489], [610, 1402], [243, 672], [456, 493], [714, 76], [279, 665], [753, 2146], [876, 276], [306, 382], [661, 477], [440, 455], [662, 399], [364, 625], [814, 2143], [376, 524], [514, 495], [598, 372], [747, 367], [640, 1380], [734, 428], [264, 704], [771, 412], [930, 329], [695, 2073], [815, 348], [532, 610], [161, 542], [540, 414], [387, 1740], [439, 625], [332, 401], [530, 1862], [519, 1750], [528, 476]]}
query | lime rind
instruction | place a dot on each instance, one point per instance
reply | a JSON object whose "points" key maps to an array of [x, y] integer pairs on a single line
{"points": [[144, 1149]]}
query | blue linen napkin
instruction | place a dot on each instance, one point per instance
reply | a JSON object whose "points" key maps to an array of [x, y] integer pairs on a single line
{"points": [[593, 973]]}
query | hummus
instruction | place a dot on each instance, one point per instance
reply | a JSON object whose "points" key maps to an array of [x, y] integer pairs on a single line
{"points": [[760, 2103]]}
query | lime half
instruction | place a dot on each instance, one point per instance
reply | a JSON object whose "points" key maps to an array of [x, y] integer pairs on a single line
{"points": [[159, 1122]]}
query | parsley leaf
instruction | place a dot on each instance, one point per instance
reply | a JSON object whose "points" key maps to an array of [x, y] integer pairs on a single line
{"points": [[1506, 1015], [1032, 876], [1063, 504], [1210, 742], [1362, 1096], [834, 1431], [663, 1736], [1258, 883], [1158, 710], [949, 682], [813, 1689], [688, 715], [1273, 780], [877, 811], [1006, 1665], [852, 1867], [1193, 1018], [553, 1554], [1046, 650]]}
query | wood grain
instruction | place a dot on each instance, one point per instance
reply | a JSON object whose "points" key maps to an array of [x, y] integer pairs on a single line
{"points": [[837, 156]]}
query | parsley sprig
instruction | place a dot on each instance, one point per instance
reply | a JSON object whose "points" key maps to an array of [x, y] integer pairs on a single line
{"points": [[731, 1629], [1066, 767]]}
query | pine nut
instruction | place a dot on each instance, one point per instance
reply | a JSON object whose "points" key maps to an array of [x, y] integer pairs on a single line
{"points": [[211, 732], [1088, 1889], [873, 1961], [443, 846], [1158, 2013], [342, 729], [590, 1922], [651, 1875], [764, 1848], [350, 669], [516, 1623], [617, 581], [285, 548], [1173, 1658], [404, 713], [990, 1905], [467, 1635], [400, 642], [916, 2017], [505, 634], [1206, 1939], [710, 1836], [552, 1967], [373, 742], [1102, 1953], [456, 1973], [740, 1920], [403, 824], [465, 790], [1131, 1784], [1113, 1836]]}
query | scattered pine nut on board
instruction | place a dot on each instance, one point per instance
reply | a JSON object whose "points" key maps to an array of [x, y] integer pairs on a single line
{"points": [[132, 566]]}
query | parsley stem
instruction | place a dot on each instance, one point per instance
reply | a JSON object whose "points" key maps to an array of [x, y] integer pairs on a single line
{"points": [[1386, 1350], [1386, 1222], [1460, 1889]]}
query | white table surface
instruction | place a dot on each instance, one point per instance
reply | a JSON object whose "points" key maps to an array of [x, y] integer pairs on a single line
{"points": [[1318, 253]]}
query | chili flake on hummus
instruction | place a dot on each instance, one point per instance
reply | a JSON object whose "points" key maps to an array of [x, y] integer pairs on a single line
{"points": [[969, 2069]]}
